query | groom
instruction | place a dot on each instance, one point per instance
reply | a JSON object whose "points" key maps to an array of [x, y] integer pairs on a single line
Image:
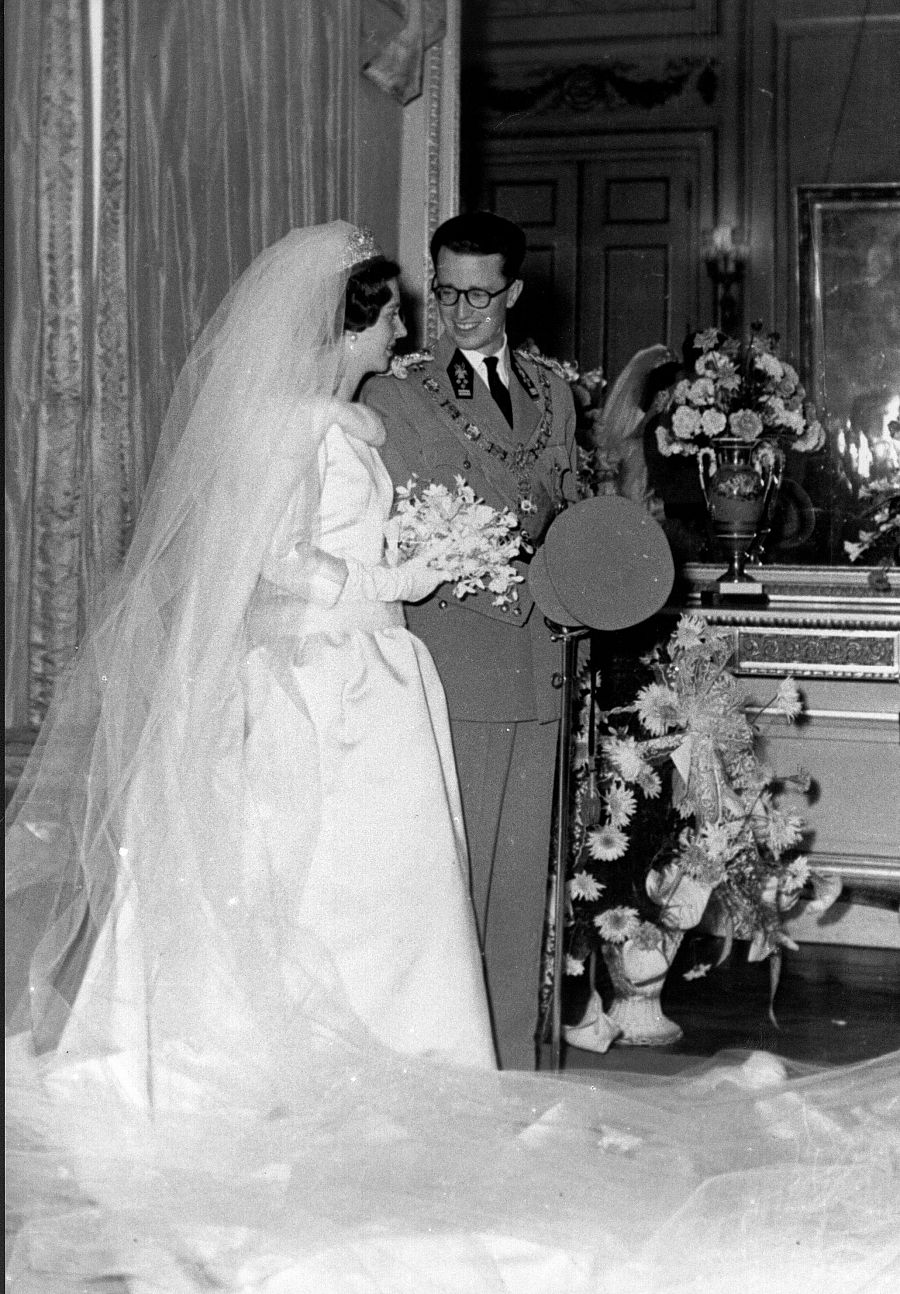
{"points": [[505, 421]]}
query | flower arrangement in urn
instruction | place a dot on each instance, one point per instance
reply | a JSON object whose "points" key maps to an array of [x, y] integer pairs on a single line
{"points": [[737, 407], [682, 754]]}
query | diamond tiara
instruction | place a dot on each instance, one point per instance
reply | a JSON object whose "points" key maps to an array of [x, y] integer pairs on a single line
{"points": [[361, 246]]}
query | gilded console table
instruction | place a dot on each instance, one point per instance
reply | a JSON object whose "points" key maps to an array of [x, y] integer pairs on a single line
{"points": [[837, 632]]}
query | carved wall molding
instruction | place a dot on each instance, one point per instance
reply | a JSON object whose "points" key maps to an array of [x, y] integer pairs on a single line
{"points": [[856, 870]]}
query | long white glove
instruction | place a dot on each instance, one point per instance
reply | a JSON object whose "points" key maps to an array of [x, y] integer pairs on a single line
{"points": [[407, 582]]}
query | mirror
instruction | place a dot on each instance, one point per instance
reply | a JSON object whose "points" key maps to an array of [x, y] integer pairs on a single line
{"points": [[849, 298]]}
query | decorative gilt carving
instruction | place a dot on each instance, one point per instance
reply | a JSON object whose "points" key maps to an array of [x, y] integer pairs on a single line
{"points": [[824, 654], [610, 86]]}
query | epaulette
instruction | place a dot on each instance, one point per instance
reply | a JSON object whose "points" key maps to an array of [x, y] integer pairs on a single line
{"points": [[562, 368], [402, 364]]}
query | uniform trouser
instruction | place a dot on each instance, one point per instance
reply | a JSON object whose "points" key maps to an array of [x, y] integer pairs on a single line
{"points": [[506, 774]]}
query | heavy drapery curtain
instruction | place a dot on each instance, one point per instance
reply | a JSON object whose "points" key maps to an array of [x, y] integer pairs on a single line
{"points": [[223, 125]]}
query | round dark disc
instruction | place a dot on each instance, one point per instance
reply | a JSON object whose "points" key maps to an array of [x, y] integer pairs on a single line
{"points": [[608, 562]]}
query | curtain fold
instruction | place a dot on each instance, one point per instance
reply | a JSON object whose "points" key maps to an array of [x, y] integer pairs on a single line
{"points": [[241, 127], [223, 125]]}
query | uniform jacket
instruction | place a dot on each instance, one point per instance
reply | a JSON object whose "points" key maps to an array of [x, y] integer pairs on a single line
{"points": [[496, 665]]}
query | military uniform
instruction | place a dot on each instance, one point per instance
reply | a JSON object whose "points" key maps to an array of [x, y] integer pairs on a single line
{"points": [[497, 665]]}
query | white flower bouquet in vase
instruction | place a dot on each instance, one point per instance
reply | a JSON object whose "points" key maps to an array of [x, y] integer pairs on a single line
{"points": [[709, 830], [456, 532]]}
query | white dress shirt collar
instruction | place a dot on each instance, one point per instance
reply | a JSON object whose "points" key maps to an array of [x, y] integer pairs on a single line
{"points": [[476, 358]]}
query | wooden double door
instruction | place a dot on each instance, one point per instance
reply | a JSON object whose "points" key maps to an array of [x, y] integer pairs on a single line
{"points": [[614, 228]]}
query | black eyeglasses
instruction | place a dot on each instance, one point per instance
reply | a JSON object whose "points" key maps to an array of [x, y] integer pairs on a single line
{"points": [[477, 298]]}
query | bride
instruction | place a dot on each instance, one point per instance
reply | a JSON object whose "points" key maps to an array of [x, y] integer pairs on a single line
{"points": [[269, 790], [249, 1047]]}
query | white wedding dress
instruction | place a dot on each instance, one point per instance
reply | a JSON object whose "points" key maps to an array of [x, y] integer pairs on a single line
{"points": [[350, 808], [349, 775]]}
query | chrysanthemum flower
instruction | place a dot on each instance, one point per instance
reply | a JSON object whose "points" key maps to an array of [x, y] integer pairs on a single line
{"points": [[624, 755], [574, 965], [787, 699], [688, 634], [650, 783], [621, 803], [783, 831], [657, 707], [798, 870], [617, 924], [583, 886], [717, 840], [607, 843]]}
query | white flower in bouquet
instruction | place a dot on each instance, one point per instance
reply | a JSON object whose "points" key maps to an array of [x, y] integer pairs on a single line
{"points": [[456, 532]]}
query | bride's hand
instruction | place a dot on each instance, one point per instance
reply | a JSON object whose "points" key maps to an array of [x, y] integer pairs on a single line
{"points": [[407, 582], [422, 578]]}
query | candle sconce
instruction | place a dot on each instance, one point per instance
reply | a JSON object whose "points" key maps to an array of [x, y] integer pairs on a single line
{"points": [[726, 256]]}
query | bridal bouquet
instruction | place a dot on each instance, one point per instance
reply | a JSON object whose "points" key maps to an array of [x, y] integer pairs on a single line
{"points": [[457, 532], [739, 390]]}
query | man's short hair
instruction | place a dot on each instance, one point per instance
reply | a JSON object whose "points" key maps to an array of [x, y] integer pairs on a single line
{"points": [[482, 233]]}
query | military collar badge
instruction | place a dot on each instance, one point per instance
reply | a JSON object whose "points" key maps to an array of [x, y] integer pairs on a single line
{"points": [[461, 375]]}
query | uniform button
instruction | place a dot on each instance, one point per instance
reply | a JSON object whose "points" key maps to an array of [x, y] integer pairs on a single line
{"points": [[466, 464], [443, 604], [557, 680]]}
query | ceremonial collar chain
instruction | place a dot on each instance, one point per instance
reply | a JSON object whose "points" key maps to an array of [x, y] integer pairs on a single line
{"points": [[520, 459]]}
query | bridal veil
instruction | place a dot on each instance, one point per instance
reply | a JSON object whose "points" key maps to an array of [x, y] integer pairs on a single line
{"points": [[131, 787]]}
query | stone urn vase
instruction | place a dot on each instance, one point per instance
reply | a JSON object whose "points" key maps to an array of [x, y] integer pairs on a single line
{"points": [[740, 481], [638, 973]]}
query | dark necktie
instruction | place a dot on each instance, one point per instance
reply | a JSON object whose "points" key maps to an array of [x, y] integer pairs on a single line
{"points": [[497, 389]]}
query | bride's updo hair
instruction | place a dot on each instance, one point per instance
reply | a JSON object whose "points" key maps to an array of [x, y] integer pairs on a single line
{"points": [[368, 290]]}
